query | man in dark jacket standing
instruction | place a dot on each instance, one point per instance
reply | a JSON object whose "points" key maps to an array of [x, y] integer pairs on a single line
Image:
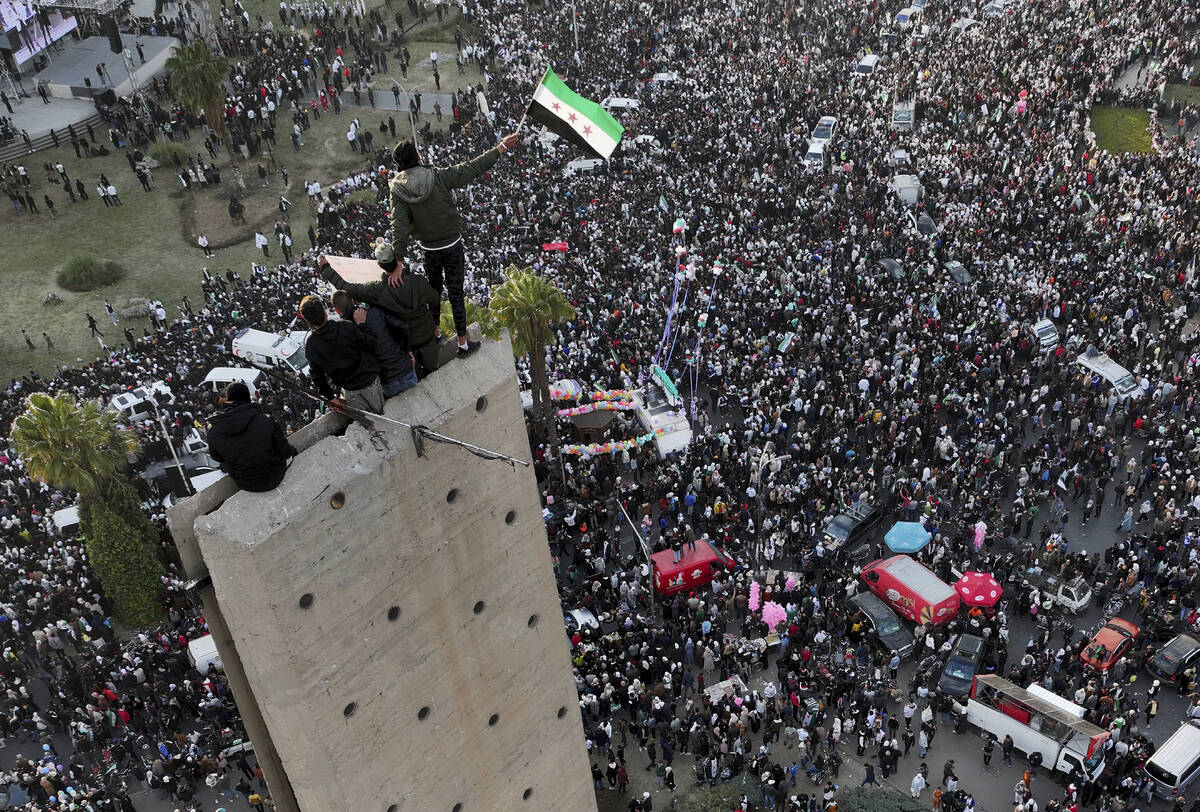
{"points": [[339, 351], [422, 199], [406, 295], [249, 445]]}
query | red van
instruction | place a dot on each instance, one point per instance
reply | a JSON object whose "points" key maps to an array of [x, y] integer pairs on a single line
{"points": [[697, 567], [911, 589]]}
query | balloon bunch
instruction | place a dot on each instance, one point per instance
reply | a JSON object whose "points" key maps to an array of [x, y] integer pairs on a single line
{"points": [[601, 406], [773, 614], [612, 446], [755, 596]]}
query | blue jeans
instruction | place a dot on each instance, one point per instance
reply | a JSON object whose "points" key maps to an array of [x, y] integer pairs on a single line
{"points": [[393, 388]]}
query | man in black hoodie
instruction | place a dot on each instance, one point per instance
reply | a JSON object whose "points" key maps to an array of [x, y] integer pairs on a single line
{"points": [[250, 446]]}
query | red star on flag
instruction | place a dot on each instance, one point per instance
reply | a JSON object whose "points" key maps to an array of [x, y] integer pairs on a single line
{"points": [[587, 130], [556, 105], [571, 118]]}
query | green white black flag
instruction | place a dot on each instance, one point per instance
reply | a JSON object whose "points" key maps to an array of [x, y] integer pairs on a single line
{"points": [[569, 115]]}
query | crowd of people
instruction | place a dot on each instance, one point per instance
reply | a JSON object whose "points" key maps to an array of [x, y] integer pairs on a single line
{"points": [[924, 396]]}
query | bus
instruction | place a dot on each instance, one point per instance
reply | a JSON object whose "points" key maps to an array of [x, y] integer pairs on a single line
{"points": [[1060, 738]]}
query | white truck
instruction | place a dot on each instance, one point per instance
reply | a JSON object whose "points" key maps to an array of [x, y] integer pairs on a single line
{"points": [[1051, 733]]}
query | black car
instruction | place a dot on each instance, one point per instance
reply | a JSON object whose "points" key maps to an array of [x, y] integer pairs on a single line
{"points": [[883, 622], [958, 673], [1170, 660], [847, 531]]}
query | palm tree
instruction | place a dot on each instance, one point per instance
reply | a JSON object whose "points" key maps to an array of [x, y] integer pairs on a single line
{"points": [[527, 304], [84, 447], [476, 313], [71, 445], [198, 77]]}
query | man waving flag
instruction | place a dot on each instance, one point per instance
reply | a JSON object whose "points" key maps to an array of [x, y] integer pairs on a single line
{"points": [[569, 115]]}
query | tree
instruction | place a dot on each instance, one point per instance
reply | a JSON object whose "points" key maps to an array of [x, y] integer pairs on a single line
{"points": [[527, 304], [84, 447], [198, 77], [476, 313]]}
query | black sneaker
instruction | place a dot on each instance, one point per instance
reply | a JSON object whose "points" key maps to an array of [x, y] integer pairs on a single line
{"points": [[464, 351]]}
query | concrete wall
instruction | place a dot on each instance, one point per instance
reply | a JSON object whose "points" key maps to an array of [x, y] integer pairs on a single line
{"points": [[396, 615]]}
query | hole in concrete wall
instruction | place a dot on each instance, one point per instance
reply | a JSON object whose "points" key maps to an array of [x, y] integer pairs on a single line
{"points": [[479, 607], [306, 600], [457, 808], [533, 621], [524, 795], [562, 712], [510, 517], [451, 495], [493, 720], [423, 713], [481, 403], [349, 710], [337, 500], [394, 613], [394, 808]]}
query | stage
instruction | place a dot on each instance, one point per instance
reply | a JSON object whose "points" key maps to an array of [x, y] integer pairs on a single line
{"points": [[71, 101], [64, 76]]}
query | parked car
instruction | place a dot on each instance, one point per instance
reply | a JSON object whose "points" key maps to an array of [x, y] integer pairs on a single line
{"points": [[1176, 656], [958, 272], [958, 674], [1071, 594], [847, 531], [825, 130], [886, 627], [892, 268], [580, 619], [1115, 638]]}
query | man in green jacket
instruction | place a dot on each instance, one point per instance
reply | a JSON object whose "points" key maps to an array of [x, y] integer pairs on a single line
{"points": [[423, 209], [406, 295]]}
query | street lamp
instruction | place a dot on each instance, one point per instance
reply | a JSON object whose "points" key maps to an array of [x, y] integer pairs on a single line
{"points": [[187, 482]]}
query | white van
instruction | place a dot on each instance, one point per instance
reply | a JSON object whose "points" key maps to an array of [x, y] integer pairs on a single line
{"points": [[1176, 764], [583, 166], [1098, 363], [905, 16], [619, 103], [814, 159], [1046, 334], [203, 651], [270, 350], [867, 65], [667, 77], [219, 377], [66, 521]]}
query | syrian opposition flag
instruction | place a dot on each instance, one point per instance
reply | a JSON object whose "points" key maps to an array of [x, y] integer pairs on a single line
{"points": [[679, 226], [569, 115]]}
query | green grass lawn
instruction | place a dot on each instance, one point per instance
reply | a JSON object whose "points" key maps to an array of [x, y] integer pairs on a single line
{"points": [[1120, 129], [154, 233], [1184, 94]]}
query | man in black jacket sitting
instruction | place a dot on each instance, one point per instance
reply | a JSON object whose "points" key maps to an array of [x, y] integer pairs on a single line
{"points": [[250, 446], [339, 351]]}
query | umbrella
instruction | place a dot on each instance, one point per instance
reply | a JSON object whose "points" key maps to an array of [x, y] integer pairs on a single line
{"points": [[906, 537], [978, 588]]}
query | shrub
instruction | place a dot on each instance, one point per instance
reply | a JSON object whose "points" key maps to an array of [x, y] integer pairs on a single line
{"points": [[84, 273], [168, 153], [121, 551]]}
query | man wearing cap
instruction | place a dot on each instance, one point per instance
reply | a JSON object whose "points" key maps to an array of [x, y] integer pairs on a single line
{"points": [[410, 297], [250, 446], [422, 200]]}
